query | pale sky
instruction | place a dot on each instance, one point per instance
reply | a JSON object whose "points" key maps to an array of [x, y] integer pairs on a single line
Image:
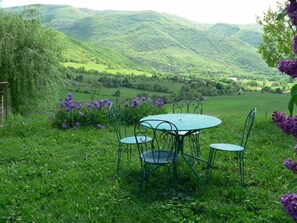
{"points": [[206, 11]]}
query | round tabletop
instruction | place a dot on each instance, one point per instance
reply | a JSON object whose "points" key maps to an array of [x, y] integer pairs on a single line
{"points": [[187, 122]]}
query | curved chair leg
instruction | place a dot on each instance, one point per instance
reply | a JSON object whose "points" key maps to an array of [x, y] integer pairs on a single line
{"points": [[211, 158], [241, 166], [119, 158], [120, 151], [143, 176], [174, 176]]}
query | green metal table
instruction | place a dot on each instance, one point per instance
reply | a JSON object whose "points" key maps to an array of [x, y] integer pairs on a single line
{"points": [[186, 124]]}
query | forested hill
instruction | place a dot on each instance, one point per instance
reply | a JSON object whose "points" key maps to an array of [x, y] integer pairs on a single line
{"points": [[164, 42]]}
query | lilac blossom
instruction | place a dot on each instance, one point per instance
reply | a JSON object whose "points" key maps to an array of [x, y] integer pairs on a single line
{"points": [[291, 9], [287, 124], [99, 126], [289, 202], [289, 67], [291, 165]]}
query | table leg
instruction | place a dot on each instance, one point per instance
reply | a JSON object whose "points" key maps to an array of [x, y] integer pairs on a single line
{"points": [[186, 157]]}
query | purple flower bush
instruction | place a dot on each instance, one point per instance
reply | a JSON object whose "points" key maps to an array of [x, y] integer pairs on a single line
{"points": [[74, 114], [288, 124], [142, 106]]}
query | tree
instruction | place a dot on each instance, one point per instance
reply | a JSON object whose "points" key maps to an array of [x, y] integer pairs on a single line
{"points": [[277, 36], [29, 60]]}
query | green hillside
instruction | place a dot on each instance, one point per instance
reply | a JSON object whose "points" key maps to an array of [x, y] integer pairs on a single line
{"points": [[163, 42], [85, 52]]}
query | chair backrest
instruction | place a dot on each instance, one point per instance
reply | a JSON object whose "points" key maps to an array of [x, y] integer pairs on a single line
{"points": [[187, 105], [163, 145], [118, 120], [248, 127]]}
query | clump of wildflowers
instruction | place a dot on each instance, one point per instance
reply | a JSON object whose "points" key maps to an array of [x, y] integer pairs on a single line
{"points": [[140, 107], [75, 114]]}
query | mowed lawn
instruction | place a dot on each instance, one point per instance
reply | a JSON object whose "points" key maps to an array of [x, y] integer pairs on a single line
{"points": [[50, 175]]}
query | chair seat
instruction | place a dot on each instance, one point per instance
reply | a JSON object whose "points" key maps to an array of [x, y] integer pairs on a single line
{"points": [[132, 140], [158, 157], [227, 147]]}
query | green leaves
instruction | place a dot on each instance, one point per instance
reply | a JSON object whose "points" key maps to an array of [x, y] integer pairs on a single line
{"points": [[293, 99], [29, 61], [281, 15], [277, 36]]}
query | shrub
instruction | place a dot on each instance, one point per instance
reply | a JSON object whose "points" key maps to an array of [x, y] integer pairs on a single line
{"points": [[75, 114], [140, 107]]}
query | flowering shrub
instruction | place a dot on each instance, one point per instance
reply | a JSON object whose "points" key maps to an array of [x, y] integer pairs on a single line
{"points": [[74, 114], [140, 107], [288, 124]]}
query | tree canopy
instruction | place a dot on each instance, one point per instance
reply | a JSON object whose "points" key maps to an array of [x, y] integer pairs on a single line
{"points": [[29, 60], [277, 36]]}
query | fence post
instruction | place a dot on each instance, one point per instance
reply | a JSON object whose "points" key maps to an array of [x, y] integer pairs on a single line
{"points": [[3, 100]]}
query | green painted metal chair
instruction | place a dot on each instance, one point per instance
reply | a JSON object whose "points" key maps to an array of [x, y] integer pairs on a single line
{"points": [[121, 126], [239, 149], [161, 151], [190, 105]]}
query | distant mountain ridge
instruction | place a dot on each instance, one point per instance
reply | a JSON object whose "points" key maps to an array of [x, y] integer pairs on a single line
{"points": [[164, 42]]}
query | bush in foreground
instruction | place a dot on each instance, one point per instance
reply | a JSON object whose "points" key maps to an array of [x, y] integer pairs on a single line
{"points": [[75, 114]]}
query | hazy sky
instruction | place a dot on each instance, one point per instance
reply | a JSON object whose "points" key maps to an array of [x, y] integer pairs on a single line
{"points": [[203, 11]]}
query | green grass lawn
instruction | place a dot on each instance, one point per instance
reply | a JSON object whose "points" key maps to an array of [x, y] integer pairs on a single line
{"points": [[265, 103], [50, 175]]}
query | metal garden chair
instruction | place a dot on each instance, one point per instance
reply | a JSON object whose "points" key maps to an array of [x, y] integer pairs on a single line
{"points": [[162, 149], [121, 126], [237, 148], [190, 105]]}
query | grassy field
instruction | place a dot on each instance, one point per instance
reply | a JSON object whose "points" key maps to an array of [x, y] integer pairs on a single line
{"points": [[264, 102], [49, 175], [102, 67]]}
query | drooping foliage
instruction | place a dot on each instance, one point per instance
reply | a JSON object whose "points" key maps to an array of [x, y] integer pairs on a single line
{"points": [[29, 60]]}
